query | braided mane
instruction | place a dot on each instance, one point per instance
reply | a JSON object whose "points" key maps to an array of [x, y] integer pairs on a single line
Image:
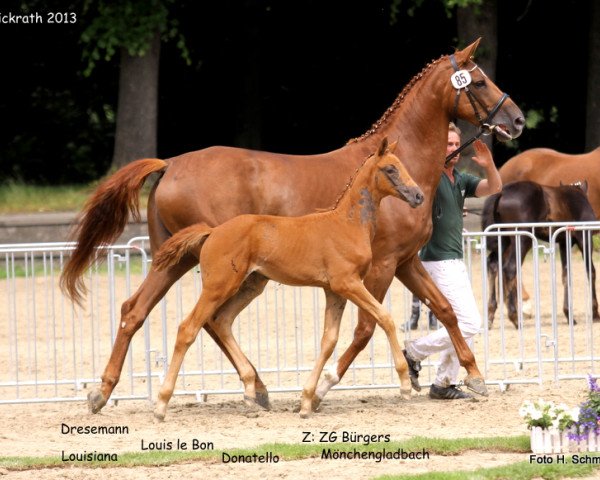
{"points": [[399, 99], [350, 182]]}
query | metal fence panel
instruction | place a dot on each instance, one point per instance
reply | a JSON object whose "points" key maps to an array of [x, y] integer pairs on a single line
{"points": [[53, 350]]}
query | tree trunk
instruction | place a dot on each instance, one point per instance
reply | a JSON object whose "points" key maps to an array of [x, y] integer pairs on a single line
{"points": [[592, 126], [137, 110], [471, 25], [249, 117]]}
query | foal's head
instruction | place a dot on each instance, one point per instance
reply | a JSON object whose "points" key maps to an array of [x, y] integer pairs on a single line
{"points": [[392, 178]]}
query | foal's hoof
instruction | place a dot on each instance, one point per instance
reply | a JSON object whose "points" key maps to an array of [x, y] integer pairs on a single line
{"points": [[304, 414], [95, 401], [477, 385], [316, 403], [405, 394], [159, 416]]}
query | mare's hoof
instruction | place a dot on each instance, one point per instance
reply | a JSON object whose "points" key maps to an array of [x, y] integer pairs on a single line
{"points": [[405, 394], [477, 385], [256, 402], [95, 401], [262, 399], [316, 403], [159, 416]]}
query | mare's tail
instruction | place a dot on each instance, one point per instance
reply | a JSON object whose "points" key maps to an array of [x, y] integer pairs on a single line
{"points": [[103, 219], [188, 240]]}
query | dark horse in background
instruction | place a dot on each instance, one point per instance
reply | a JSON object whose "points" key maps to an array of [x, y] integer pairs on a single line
{"points": [[212, 185], [530, 202], [549, 167]]}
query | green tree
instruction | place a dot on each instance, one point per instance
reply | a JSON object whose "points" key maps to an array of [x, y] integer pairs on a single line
{"points": [[592, 130], [132, 29]]}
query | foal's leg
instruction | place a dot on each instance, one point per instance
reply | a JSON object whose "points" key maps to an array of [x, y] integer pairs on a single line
{"points": [[510, 277], [492, 265], [209, 302], [334, 308], [133, 314], [417, 280], [354, 290], [377, 282], [255, 391], [589, 267]]}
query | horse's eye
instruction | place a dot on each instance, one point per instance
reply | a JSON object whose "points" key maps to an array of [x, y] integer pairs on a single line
{"points": [[479, 83], [390, 169]]}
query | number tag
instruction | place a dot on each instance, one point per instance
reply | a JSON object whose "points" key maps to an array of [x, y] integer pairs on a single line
{"points": [[460, 79]]}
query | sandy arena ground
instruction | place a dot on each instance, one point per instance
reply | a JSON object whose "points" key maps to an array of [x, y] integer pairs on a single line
{"points": [[224, 420]]}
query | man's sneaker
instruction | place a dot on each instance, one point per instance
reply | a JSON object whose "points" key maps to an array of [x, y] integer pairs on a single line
{"points": [[414, 367], [447, 393]]}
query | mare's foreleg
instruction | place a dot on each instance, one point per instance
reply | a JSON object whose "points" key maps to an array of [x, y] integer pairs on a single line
{"points": [[334, 308], [354, 290], [417, 280], [133, 314], [377, 281]]}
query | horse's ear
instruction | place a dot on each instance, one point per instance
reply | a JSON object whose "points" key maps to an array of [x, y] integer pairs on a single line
{"points": [[465, 55], [382, 147], [392, 146]]}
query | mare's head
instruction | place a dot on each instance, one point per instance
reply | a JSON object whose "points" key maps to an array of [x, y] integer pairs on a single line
{"points": [[392, 178], [476, 99]]}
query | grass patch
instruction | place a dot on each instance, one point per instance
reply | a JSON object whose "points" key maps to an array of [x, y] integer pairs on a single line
{"points": [[434, 446], [446, 447], [20, 269], [18, 197]]}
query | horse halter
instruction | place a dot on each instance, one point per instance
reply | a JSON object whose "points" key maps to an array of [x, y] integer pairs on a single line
{"points": [[485, 125]]}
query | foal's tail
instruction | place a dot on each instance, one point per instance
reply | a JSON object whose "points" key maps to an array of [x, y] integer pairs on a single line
{"points": [[103, 219], [188, 240]]}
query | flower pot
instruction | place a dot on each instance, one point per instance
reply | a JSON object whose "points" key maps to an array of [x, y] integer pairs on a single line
{"points": [[549, 441], [589, 444]]}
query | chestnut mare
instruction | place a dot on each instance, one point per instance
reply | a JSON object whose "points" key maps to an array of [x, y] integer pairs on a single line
{"points": [[549, 167], [530, 202], [215, 184], [331, 250]]}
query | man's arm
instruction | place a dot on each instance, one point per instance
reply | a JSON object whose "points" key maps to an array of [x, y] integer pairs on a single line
{"points": [[492, 183]]}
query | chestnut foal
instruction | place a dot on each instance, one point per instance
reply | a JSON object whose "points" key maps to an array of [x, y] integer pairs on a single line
{"points": [[330, 249]]}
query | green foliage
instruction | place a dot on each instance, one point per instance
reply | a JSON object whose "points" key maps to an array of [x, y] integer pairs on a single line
{"points": [[413, 5], [130, 25], [533, 118]]}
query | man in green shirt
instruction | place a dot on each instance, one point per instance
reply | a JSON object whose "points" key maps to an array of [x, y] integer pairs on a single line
{"points": [[442, 257]]}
